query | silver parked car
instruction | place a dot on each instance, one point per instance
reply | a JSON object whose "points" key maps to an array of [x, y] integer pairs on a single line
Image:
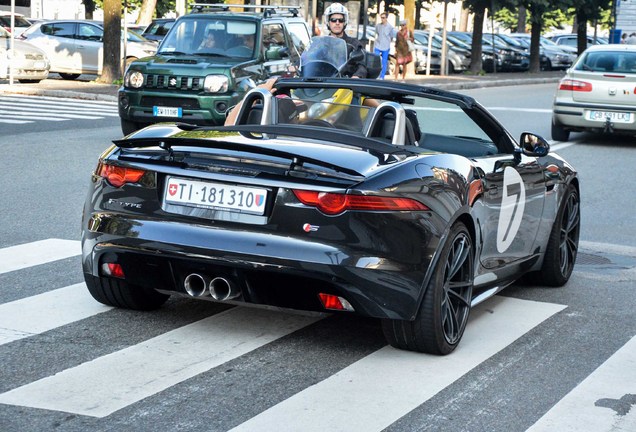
{"points": [[76, 47], [598, 93], [30, 64], [20, 22]]}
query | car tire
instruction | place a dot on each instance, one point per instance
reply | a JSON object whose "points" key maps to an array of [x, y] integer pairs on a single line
{"points": [[441, 319], [563, 244], [121, 294], [68, 76], [128, 127], [559, 133]]}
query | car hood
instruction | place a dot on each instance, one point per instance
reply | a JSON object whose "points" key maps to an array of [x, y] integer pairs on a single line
{"points": [[20, 46], [187, 64]]}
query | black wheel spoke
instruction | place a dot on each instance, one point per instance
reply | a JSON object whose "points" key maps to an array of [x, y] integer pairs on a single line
{"points": [[449, 320], [458, 291], [457, 288]]}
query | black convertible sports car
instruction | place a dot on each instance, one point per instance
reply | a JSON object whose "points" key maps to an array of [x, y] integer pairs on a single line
{"points": [[406, 203]]}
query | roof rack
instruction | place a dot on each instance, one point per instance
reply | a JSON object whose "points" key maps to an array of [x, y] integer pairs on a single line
{"points": [[266, 9]]}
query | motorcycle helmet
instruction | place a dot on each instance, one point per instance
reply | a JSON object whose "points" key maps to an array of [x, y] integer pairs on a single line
{"points": [[337, 8]]}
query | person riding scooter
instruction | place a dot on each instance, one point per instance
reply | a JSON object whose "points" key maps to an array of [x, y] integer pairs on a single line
{"points": [[337, 17]]}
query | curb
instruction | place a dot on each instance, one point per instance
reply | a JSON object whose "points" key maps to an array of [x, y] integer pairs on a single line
{"points": [[7, 89], [459, 85], [474, 84]]}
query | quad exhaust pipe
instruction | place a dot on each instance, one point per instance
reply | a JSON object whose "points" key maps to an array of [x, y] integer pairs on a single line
{"points": [[220, 288], [196, 284], [223, 289]]}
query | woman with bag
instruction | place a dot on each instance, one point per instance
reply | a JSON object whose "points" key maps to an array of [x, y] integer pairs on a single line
{"points": [[403, 42]]}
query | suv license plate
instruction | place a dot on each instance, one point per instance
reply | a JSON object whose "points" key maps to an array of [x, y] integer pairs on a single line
{"points": [[618, 117], [158, 111], [194, 193]]}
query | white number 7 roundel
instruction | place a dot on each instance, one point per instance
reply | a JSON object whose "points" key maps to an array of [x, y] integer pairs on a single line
{"points": [[513, 204]]}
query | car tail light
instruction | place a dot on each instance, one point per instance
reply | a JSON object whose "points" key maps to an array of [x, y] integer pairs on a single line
{"points": [[113, 270], [575, 85], [335, 203], [119, 176], [333, 302]]}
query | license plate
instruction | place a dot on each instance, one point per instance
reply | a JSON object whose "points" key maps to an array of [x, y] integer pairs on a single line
{"points": [[158, 111], [205, 194], [39, 65], [617, 117]]}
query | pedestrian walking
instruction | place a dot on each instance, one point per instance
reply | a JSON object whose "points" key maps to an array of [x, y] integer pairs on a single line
{"points": [[384, 34], [402, 49]]}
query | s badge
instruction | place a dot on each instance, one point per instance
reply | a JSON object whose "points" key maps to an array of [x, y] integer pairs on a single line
{"points": [[309, 228]]}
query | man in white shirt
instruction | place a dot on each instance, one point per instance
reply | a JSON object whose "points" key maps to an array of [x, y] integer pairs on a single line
{"points": [[384, 34]]}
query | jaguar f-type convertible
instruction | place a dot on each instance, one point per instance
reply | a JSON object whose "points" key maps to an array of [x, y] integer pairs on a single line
{"points": [[408, 204]]}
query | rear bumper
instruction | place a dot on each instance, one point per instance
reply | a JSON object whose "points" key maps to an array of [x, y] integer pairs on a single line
{"points": [[572, 115], [270, 269]]}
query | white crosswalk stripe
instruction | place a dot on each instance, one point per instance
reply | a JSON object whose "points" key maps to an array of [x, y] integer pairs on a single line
{"points": [[28, 109], [601, 403], [44, 312], [369, 393], [36, 253], [378, 383]]}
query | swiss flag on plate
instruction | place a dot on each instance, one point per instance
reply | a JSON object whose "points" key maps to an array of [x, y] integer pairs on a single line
{"points": [[172, 189]]}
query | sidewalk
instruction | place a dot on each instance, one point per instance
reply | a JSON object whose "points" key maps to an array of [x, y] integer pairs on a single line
{"points": [[85, 86]]}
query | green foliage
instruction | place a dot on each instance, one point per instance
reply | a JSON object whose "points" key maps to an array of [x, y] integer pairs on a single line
{"points": [[163, 6], [555, 19]]}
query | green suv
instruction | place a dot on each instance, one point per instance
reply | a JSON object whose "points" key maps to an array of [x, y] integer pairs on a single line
{"points": [[202, 66]]}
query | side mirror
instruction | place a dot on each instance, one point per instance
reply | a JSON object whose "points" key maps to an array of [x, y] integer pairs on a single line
{"points": [[534, 145], [276, 53]]}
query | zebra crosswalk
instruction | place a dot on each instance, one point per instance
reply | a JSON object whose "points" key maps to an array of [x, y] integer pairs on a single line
{"points": [[367, 391], [23, 109]]}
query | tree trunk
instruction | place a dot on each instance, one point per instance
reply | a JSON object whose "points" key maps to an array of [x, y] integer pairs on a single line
{"points": [[478, 32], [581, 30], [521, 22], [147, 11], [463, 20], [89, 8], [112, 42], [535, 44]]}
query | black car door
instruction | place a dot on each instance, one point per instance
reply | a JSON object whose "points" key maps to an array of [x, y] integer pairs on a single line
{"points": [[514, 192]]}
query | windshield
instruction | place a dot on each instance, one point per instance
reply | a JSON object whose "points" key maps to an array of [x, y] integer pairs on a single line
{"points": [[209, 35], [325, 57]]}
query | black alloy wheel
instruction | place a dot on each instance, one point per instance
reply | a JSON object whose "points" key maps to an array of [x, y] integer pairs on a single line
{"points": [[440, 323], [563, 245]]}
